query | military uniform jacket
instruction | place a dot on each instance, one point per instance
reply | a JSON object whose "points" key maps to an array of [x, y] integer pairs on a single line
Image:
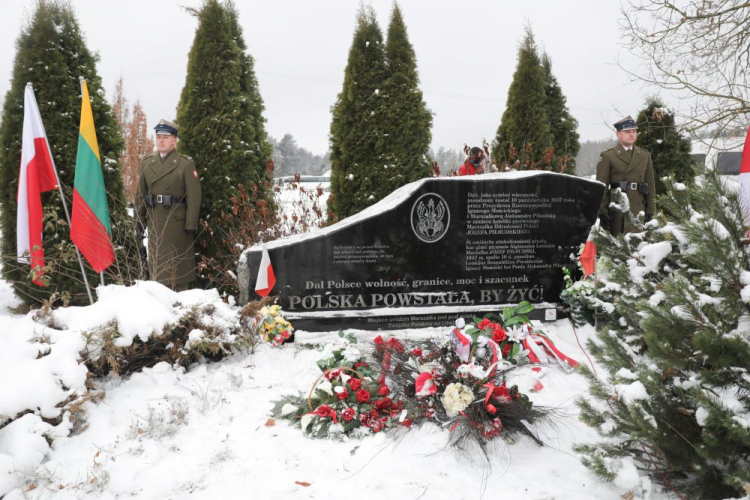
{"points": [[617, 165], [170, 229]]}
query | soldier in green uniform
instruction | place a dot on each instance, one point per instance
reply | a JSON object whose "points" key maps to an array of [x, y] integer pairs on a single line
{"points": [[628, 168], [168, 204]]}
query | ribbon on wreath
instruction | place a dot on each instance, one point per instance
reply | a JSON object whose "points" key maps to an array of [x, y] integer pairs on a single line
{"points": [[461, 343], [540, 346], [392, 344]]}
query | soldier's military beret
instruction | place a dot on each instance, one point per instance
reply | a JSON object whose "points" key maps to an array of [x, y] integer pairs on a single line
{"points": [[165, 127], [626, 123]]}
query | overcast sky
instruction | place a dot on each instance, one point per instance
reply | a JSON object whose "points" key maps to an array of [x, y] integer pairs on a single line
{"points": [[466, 55]]}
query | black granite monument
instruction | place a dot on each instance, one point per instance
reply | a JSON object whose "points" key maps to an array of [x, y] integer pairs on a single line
{"points": [[433, 250]]}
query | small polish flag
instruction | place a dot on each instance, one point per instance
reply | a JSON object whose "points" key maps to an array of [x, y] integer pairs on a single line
{"points": [[266, 279], [588, 257], [745, 180]]}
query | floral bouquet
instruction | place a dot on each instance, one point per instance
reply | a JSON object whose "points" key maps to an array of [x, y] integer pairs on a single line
{"points": [[272, 327], [346, 399]]}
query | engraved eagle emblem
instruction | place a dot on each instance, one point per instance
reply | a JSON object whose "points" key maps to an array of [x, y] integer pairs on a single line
{"points": [[430, 224]]}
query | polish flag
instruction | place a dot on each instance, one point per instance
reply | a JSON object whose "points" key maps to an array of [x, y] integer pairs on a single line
{"points": [[745, 180], [588, 257], [266, 279], [37, 175]]}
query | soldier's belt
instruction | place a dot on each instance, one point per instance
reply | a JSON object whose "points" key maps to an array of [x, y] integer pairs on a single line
{"points": [[165, 200], [641, 187]]}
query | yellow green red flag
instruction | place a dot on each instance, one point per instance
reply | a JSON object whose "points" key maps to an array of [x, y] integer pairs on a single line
{"points": [[89, 226]]}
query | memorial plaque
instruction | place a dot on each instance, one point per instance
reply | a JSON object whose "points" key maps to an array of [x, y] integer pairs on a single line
{"points": [[466, 243]]}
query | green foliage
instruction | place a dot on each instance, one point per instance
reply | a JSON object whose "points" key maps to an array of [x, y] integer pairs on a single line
{"points": [[357, 140], [673, 298], [408, 121], [563, 126], [380, 128], [524, 132], [220, 118], [51, 54], [670, 150]]}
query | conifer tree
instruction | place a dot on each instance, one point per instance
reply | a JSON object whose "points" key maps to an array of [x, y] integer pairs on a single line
{"points": [[563, 126], [357, 139], [670, 150], [220, 115], [525, 126], [51, 54], [408, 122], [675, 301]]}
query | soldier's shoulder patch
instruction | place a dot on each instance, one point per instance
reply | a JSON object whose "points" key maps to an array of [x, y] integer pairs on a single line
{"points": [[188, 157]]}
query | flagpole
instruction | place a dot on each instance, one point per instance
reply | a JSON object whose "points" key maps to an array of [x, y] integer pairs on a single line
{"points": [[65, 207]]}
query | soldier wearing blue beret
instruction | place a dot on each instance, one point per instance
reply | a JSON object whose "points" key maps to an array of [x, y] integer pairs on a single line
{"points": [[628, 168], [168, 203]]}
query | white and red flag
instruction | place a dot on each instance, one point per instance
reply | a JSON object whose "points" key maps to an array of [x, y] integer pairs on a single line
{"points": [[588, 257], [266, 279], [37, 175], [745, 180]]}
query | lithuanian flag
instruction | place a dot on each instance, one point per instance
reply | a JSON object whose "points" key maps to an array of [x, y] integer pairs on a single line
{"points": [[89, 226]]}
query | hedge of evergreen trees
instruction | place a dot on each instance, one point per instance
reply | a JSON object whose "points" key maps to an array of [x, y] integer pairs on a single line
{"points": [[537, 129], [670, 150], [51, 54], [222, 127], [380, 128]]}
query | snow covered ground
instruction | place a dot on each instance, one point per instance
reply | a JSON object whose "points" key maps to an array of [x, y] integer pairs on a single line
{"points": [[207, 433]]}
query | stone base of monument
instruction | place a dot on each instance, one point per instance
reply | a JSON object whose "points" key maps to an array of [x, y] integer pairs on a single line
{"points": [[400, 319]]}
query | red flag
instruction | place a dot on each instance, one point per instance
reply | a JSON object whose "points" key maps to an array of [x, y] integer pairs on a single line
{"points": [[745, 180], [266, 279], [36, 176], [588, 257]]}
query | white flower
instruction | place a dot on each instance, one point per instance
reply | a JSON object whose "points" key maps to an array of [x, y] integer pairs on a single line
{"points": [[351, 354], [456, 398], [460, 323], [287, 409], [516, 333], [305, 420], [325, 386], [472, 369]]}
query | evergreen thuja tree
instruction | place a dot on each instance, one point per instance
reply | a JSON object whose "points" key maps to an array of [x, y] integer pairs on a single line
{"points": [[674, 301], [407, 119], [51, 54], [357, 139], [524, 132], [222, 128], [670, 150], [563, 126]]}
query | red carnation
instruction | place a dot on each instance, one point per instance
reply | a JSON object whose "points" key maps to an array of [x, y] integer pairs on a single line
{"points": [[484, 323], [395, 344], [406, 423], [348, 414], [323, 411], [355, 384], [359, 364], [332, 374], [384, 390], [375, 426], [417, 352], [342, 395], [363, 396], [498, 334], [379, 342], [383, 404], [506, 350]]}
